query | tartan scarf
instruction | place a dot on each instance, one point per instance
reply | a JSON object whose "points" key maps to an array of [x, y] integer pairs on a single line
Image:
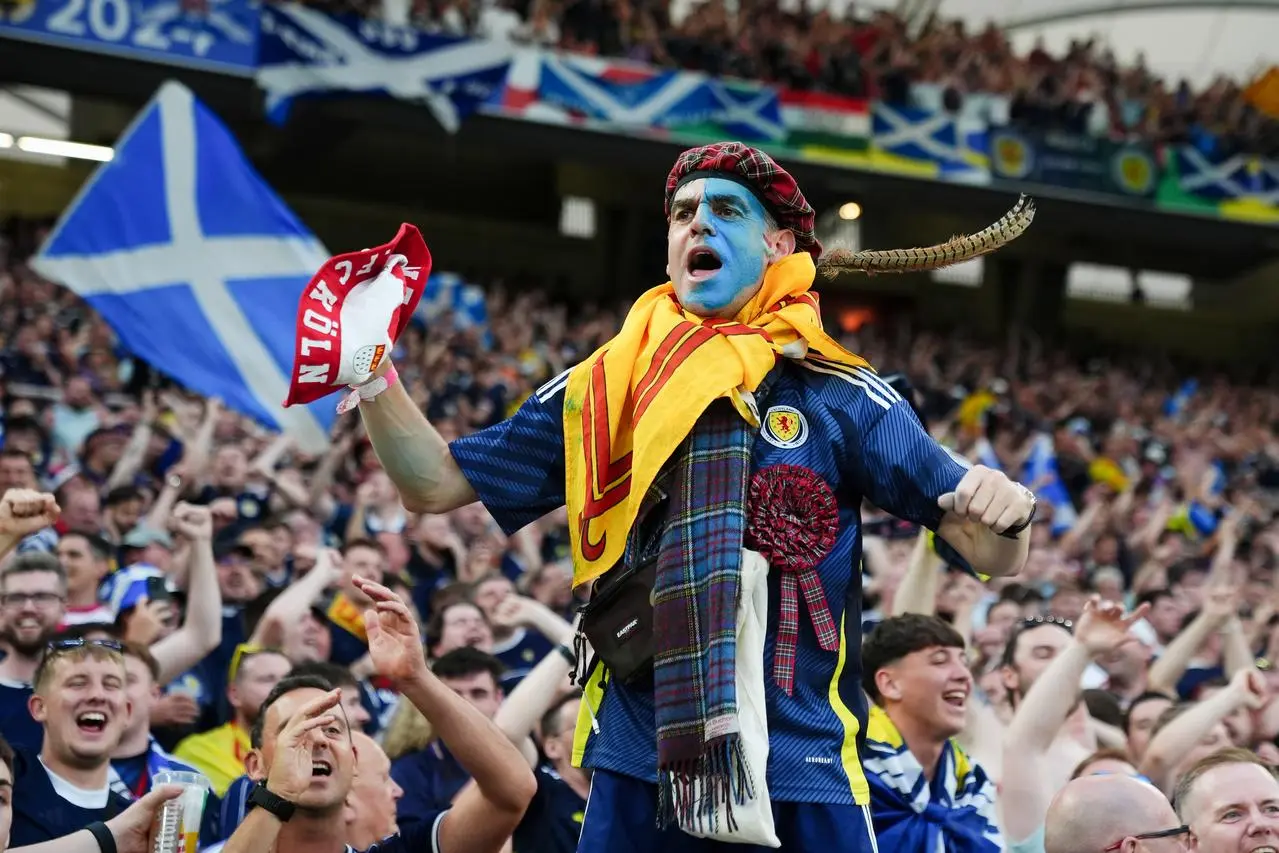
{"points": [[628, 406], [952, 813], [695, 599]]}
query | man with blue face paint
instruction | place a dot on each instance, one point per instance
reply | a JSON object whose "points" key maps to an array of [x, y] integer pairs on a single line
{"points": [[721, 431]]}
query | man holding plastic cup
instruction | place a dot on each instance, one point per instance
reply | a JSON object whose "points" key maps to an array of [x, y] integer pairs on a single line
{"points": [[304, 757], [131, 831]]}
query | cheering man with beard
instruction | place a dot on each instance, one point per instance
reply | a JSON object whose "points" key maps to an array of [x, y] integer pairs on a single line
{"points": [[721, 436], [304, 757], [33, 594]]}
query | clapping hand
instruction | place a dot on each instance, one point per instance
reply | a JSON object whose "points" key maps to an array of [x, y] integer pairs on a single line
{"points": [[1103, 626], [395, 642]]}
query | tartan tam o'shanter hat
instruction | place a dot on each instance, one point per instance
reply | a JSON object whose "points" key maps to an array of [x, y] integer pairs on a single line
{"points": [[772, 185]]}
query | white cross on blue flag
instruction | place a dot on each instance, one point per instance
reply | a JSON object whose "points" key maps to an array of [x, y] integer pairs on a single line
{"points": [[194, 261]]}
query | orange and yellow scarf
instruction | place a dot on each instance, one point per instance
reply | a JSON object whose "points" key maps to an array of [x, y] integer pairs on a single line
{"points": [[633, 402]]}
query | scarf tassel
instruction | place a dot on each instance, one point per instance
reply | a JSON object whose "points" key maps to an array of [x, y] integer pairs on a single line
{"points": [[726, 780]]}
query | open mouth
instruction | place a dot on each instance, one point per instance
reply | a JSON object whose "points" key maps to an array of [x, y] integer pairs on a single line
{"points": [[321, 768], [1265, 848], [92, 722], [956, 698], [703, 261]]}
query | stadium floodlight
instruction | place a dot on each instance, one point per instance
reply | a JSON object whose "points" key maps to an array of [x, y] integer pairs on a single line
{"points": [[850, 210], [63, 148], [6, 140]]}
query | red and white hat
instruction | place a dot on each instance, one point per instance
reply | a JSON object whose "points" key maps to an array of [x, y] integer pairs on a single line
{"points": [[353, 311]]}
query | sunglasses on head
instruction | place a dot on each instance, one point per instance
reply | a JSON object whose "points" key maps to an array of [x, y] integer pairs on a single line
{"points": [[1036, 621], [70, 643], [1148, 836], [1025, 625]]}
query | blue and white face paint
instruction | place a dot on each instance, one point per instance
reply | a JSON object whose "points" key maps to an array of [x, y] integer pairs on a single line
{"points": [[717, 246]]}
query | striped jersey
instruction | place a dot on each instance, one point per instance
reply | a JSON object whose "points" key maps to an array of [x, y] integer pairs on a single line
{"points": [[844, 424]]}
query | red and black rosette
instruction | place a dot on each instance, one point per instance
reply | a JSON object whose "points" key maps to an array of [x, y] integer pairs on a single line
{"points": [[793, 517], [793, 521]]}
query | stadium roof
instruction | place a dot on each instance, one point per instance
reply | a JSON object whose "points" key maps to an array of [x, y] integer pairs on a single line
{"points": [[1193, 39]]}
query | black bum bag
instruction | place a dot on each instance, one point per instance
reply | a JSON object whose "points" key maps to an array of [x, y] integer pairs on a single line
{"points": [[618, 622]]}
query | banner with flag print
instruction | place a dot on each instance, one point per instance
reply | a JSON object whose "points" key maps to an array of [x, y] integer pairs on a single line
{"points": [[304, 52], [823, 120], [627, 95], [926, 143], [1200, 179], [194, 261], [1239, 177]]}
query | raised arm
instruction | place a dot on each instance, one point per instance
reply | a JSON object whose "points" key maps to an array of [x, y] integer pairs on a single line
{"points": [[23, 512], [201, 630], [917, 592], [545, 683], [1024, 792], [292, 604], [415, 456], [1219, 607], [126, 468], [1167, 748], [484, 816]]}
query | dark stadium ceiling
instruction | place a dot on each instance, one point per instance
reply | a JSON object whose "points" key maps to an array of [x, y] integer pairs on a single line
{"points": [[1179, 38]]}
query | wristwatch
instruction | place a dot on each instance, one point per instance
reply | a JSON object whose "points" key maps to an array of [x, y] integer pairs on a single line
{"points": [[1017, 529], [265, 800]]}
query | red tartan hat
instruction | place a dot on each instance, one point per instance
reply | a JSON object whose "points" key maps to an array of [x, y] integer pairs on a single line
{"points": [[759, 173]]}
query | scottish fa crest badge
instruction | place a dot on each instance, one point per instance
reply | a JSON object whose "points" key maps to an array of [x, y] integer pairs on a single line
{"points": [[785, 427]]}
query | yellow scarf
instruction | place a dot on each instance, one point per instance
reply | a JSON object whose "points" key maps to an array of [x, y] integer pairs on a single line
{"points": [[634, 401], [344, 613]]}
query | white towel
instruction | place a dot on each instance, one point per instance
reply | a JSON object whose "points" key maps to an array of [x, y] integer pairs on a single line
{"points": [[754, 818]]}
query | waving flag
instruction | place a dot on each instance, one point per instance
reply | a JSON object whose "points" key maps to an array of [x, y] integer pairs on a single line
{"points": [[1045, 480], [447, 291], [304, 52], [194, 261]]}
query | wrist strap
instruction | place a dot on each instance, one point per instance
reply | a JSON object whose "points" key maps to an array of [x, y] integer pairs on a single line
{"points": [[368, 390], [102, 834]]}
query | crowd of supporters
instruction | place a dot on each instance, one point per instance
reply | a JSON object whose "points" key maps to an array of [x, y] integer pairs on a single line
{"points": [[942, 64], [226, 560]]}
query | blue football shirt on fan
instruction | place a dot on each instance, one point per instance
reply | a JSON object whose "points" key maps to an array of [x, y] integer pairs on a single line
{"points": [[519, 653], [553, 821], [421, 837], [15, 719], [44, 809], [848, 427], [431, 778]]}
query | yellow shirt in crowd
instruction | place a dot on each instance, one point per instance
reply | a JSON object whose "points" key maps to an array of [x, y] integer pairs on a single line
{"points": [[218, 754]]}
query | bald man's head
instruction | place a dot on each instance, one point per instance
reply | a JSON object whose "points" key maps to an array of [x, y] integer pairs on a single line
{"points": [[1093, 812]]}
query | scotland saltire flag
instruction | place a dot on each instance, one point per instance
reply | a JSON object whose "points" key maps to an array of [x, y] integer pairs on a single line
{"points": [[194, 261], [925, 136], [1176, 404], [634, 96], [1044, 478], [304, 52], [466, 302]]}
